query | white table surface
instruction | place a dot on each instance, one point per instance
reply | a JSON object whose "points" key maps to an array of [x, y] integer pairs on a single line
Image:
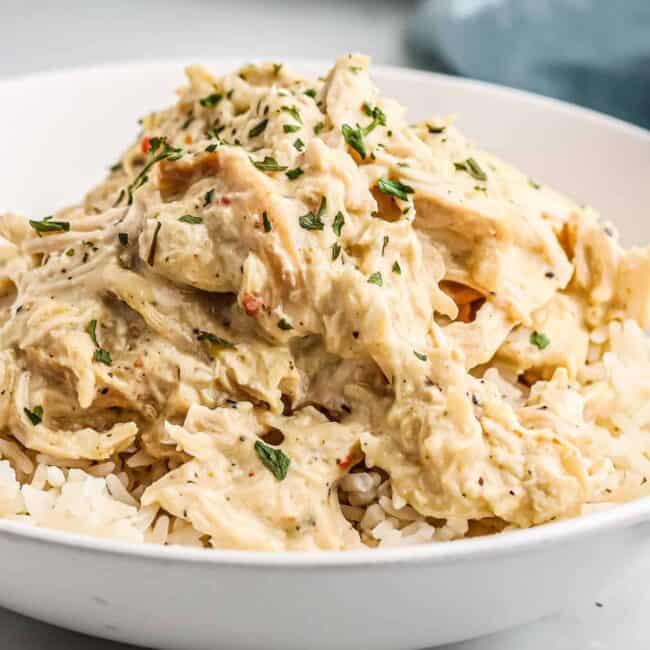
{"points": [[39, 35]]}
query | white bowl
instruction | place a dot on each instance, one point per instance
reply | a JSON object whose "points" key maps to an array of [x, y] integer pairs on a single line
{"points": [[59, 132]]}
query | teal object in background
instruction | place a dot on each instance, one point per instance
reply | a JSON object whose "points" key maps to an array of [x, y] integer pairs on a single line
{"points": [[591, 52]]}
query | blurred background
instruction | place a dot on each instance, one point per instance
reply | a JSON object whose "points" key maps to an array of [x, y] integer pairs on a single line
{"points": [[592, 52]]}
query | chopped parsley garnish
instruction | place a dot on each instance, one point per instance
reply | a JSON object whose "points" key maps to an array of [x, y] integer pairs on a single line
{"points": [[375, 278], [384, 244], [191, 219], [70, 252], [318, 127], [124, 238], [310, 92], [338, 223], [378, 117], [259, 129], [292, 174], [395, 188], [354, 139], [299, 144], [420, 356], [47, 225], [533, 184], [35, 416], [284, 324], [116, 167], [266, 221], [211, 100], [276, 69], [355, 68], [336, 251], [293, 111], [274, 459], [311, 221], [397, 268], [539, 340], [207, 199], [151, 258], [208, 337], [269, 164], [212, 147], [101, 355], [472, 168], [291, 128], [166, 152]]}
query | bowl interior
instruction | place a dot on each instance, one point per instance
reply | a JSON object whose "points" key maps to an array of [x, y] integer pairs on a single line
{"points": [[60, 131]]}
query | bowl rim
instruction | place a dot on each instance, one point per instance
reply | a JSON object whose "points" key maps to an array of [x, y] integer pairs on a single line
{"points": [[619, 516]]}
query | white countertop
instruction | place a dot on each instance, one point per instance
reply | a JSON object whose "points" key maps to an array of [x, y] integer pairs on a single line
{"points": [[39, 35]]}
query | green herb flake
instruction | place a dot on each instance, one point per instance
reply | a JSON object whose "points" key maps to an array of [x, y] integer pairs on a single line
{"points": [[208, 337], [291, 128], [273, 459], [293, 111], [266, 221], [70, 252], [35, 416], [375, 278], [533, 184], [162, 150], [539, 340], [318, 127], [294, 173], [397, 268], [101, 355], [276, 69], [211, 100], [336, 251], [284, 324], [378, 117], [92, 332], [207, 199], [47, 225], [431, 128], [420, 356], [354, 139], [472, 168], [395, 188], [258, 130], [338, 223], [311, 221], [191, 219], [269, 164], [384, 244], [212, 147], [124, 238], [355, 69]]}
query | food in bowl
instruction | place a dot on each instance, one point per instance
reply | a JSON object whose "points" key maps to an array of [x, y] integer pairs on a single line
{"points": [[290, 320]]}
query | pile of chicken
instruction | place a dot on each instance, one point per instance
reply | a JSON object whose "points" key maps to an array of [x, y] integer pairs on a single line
{"points": [[283, 282]]}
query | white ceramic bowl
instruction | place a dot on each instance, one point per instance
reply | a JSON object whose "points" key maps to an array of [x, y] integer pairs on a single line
{"points": [[59, 131]]}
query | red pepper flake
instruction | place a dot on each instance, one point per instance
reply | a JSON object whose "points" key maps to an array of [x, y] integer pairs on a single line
{"points": [[344, 463], [145, 145], [224, 200], [252, 304], [188, 139], [251, 473]]}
